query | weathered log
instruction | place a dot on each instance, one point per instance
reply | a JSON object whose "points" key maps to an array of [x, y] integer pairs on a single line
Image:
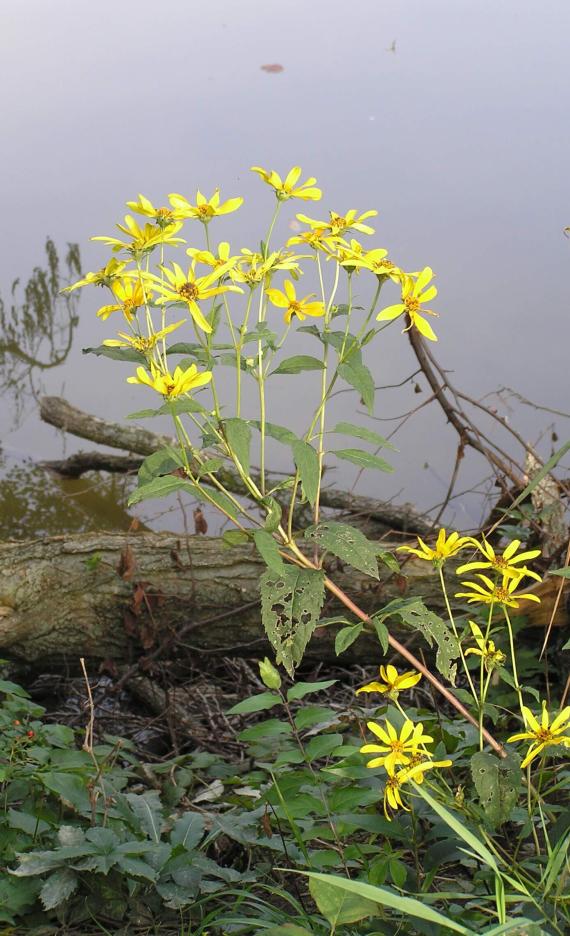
{"points": [[115, 595], [58, 412], [82, 462]]}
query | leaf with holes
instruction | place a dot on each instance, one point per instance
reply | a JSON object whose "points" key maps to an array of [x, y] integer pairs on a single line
{"points": [[497, 782], [348, 544], [414, 613], [291, 605]]}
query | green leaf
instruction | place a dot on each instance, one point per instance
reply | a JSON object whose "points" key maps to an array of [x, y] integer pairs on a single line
{"points": [[163, 462], [159, 487], [346, 637], [234, 538], [274, 513], [345, 428], [497, 782], [268, 550], [187, 405], [454, 823], [188, 830], [184, 347], [348, 544], [279, 433], [238, 436], [307, 463], [117, 354], [322, 746], [339, 906], [71, 788], [302, 689], [218, 498], [359, 377], [298, 363], [256, 703], [382, 633], [148, 810], [270, 728], [362, 459], [59, 886], [414, 613], [385, 897], [135, 867], [143, 414], [564, 573], [290, 608], [209, 466]]}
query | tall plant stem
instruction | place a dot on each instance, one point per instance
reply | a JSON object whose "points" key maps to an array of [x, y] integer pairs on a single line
{"points": [[514, 662], [456, 635], [260, 370], [407, 655]]}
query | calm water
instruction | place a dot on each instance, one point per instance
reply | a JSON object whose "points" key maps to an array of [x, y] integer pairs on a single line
{"points": [[448, 116]]}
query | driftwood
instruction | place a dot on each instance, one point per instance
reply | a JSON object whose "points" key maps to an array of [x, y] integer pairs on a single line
{"points": [[58, 412], [119, 595]]}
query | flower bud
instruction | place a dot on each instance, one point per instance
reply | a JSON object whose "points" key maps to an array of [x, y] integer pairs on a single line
{"points": [[269, 674]]}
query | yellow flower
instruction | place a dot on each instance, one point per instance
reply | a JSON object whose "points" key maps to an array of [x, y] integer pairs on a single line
{"points": [[412, 299], [377, 262], [491, 593], [140, 342], [347, 254], [130, 296], [103, 277], [506, 564], [252, 268], [189, 288], [162, 216], [395, 748], [288, 300], [340, 224], [444, 547], [205, 209], [288, 187], [319, 238], [142, 240], [414, 771], [392, 682], [485, 649], [171, 385], [543, 734], [222, 259]]}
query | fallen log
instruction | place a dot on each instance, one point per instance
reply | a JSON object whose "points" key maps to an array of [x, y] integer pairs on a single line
{"points": [[58, 412], [118, 595]]}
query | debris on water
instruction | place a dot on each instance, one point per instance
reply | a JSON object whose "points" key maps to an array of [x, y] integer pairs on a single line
{"points": [[272, 69]]}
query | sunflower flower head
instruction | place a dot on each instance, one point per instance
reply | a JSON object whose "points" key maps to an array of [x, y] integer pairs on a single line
{"points": [[293, 306], [170, 385], [142, 240], [492, 658], [130, 295], [488, 592], [288, 188], [395, 748], [377, 262], [413, 298], [106, 276], [178, 286], [543, 733], [507, 564], [162, 216], [391, 682], [142, 343], [413, 772], [445, 547], [340, 224]]}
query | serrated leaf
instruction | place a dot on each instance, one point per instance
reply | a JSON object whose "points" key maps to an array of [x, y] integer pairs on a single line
{"points": [[497, 782], [238, 436], [414, 613], [70, 787], [363, 459], [268, 550], [297, 364], [136, 867], [291, 604], [359, 377], [159, 487], [307, 464], [159, 463], [359, 432], [117, 354], [256, 703], [59, 886], [348, 544], [346, 637]]}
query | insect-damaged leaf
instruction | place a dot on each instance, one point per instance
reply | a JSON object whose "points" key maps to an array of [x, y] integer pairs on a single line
{"points": [[497, 782], [413, 612], [291, 605], [349, 544]]}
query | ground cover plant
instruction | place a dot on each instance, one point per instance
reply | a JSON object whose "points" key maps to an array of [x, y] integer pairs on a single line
{"points": [[435, 799]]}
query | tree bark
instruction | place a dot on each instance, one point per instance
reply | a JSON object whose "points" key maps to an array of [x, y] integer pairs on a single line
{"points": [[119, 595]]}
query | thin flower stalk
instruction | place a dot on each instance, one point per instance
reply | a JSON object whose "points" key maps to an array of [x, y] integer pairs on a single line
{"points": [[456, 635]]}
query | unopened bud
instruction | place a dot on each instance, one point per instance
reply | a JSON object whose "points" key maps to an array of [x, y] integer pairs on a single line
{"points": [[269, 674]]}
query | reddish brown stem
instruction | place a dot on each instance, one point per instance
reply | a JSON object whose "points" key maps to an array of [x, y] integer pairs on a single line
{"points": [[403, 651]]}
